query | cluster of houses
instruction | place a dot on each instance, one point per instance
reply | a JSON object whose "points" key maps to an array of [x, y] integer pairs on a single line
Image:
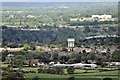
{"points": [[84, 66], [81, 65], [94, 17]]}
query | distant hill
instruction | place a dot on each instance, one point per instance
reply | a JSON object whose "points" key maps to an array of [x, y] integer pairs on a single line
{"points": [[38, 4], [51, 36]]}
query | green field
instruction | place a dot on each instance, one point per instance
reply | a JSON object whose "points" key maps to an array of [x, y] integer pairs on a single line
{"points": [[78, 76], [4, 65]]}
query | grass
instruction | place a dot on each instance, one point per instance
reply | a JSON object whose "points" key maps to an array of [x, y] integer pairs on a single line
{"points": [[4, 65], [110, 74], [99, 75]]}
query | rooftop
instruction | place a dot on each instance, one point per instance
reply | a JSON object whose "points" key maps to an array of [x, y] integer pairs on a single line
{"points": [[70, 39]]}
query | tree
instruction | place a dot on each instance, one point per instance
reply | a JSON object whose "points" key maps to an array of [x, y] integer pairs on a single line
{"points": [[91, 56], [60, 70], [55, 56], [44, 57], [19, 60], [26, 47], [4, 54], [29, 58], [71, 61], [64, 49], [10, 58], [116, 56]]}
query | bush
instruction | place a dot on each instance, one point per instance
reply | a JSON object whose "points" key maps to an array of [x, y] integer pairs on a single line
{"points": [[36, 78], [71, 78], [107, 78], [4, 73], [32, 71], [40, 70], [70, 70], [52, 70], [15, 76]]}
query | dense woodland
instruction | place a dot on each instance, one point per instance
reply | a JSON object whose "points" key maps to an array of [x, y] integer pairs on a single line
{"points": [[53, 36]]}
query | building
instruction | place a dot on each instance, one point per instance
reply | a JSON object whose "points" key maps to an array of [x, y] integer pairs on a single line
{"points": [[74, 19], [77, 65], [105, 17], [71, 42]]}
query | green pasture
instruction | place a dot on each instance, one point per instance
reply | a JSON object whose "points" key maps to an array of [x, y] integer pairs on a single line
{"points": [[78, 76]]}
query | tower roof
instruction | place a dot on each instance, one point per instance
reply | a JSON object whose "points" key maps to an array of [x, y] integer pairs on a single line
{"points": [[70, 39]]}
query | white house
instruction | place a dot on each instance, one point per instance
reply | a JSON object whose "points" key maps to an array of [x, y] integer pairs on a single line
{"points": [[95, 16]]}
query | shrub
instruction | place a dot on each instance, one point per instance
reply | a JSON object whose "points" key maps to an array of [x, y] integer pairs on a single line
{"points": [[70, 70], [59, 70], [36, 78]]}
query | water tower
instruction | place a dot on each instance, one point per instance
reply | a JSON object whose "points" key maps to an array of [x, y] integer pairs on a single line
{"points": [[71, 42]]}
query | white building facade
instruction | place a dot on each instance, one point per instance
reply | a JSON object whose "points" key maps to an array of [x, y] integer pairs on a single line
{"points": [[71, 42]]}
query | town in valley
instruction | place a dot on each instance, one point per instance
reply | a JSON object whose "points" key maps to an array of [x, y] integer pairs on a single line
{"points": [[60, 40]]}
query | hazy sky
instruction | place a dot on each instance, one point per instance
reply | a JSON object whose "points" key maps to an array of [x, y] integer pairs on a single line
{"points": [[60, 0]]}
